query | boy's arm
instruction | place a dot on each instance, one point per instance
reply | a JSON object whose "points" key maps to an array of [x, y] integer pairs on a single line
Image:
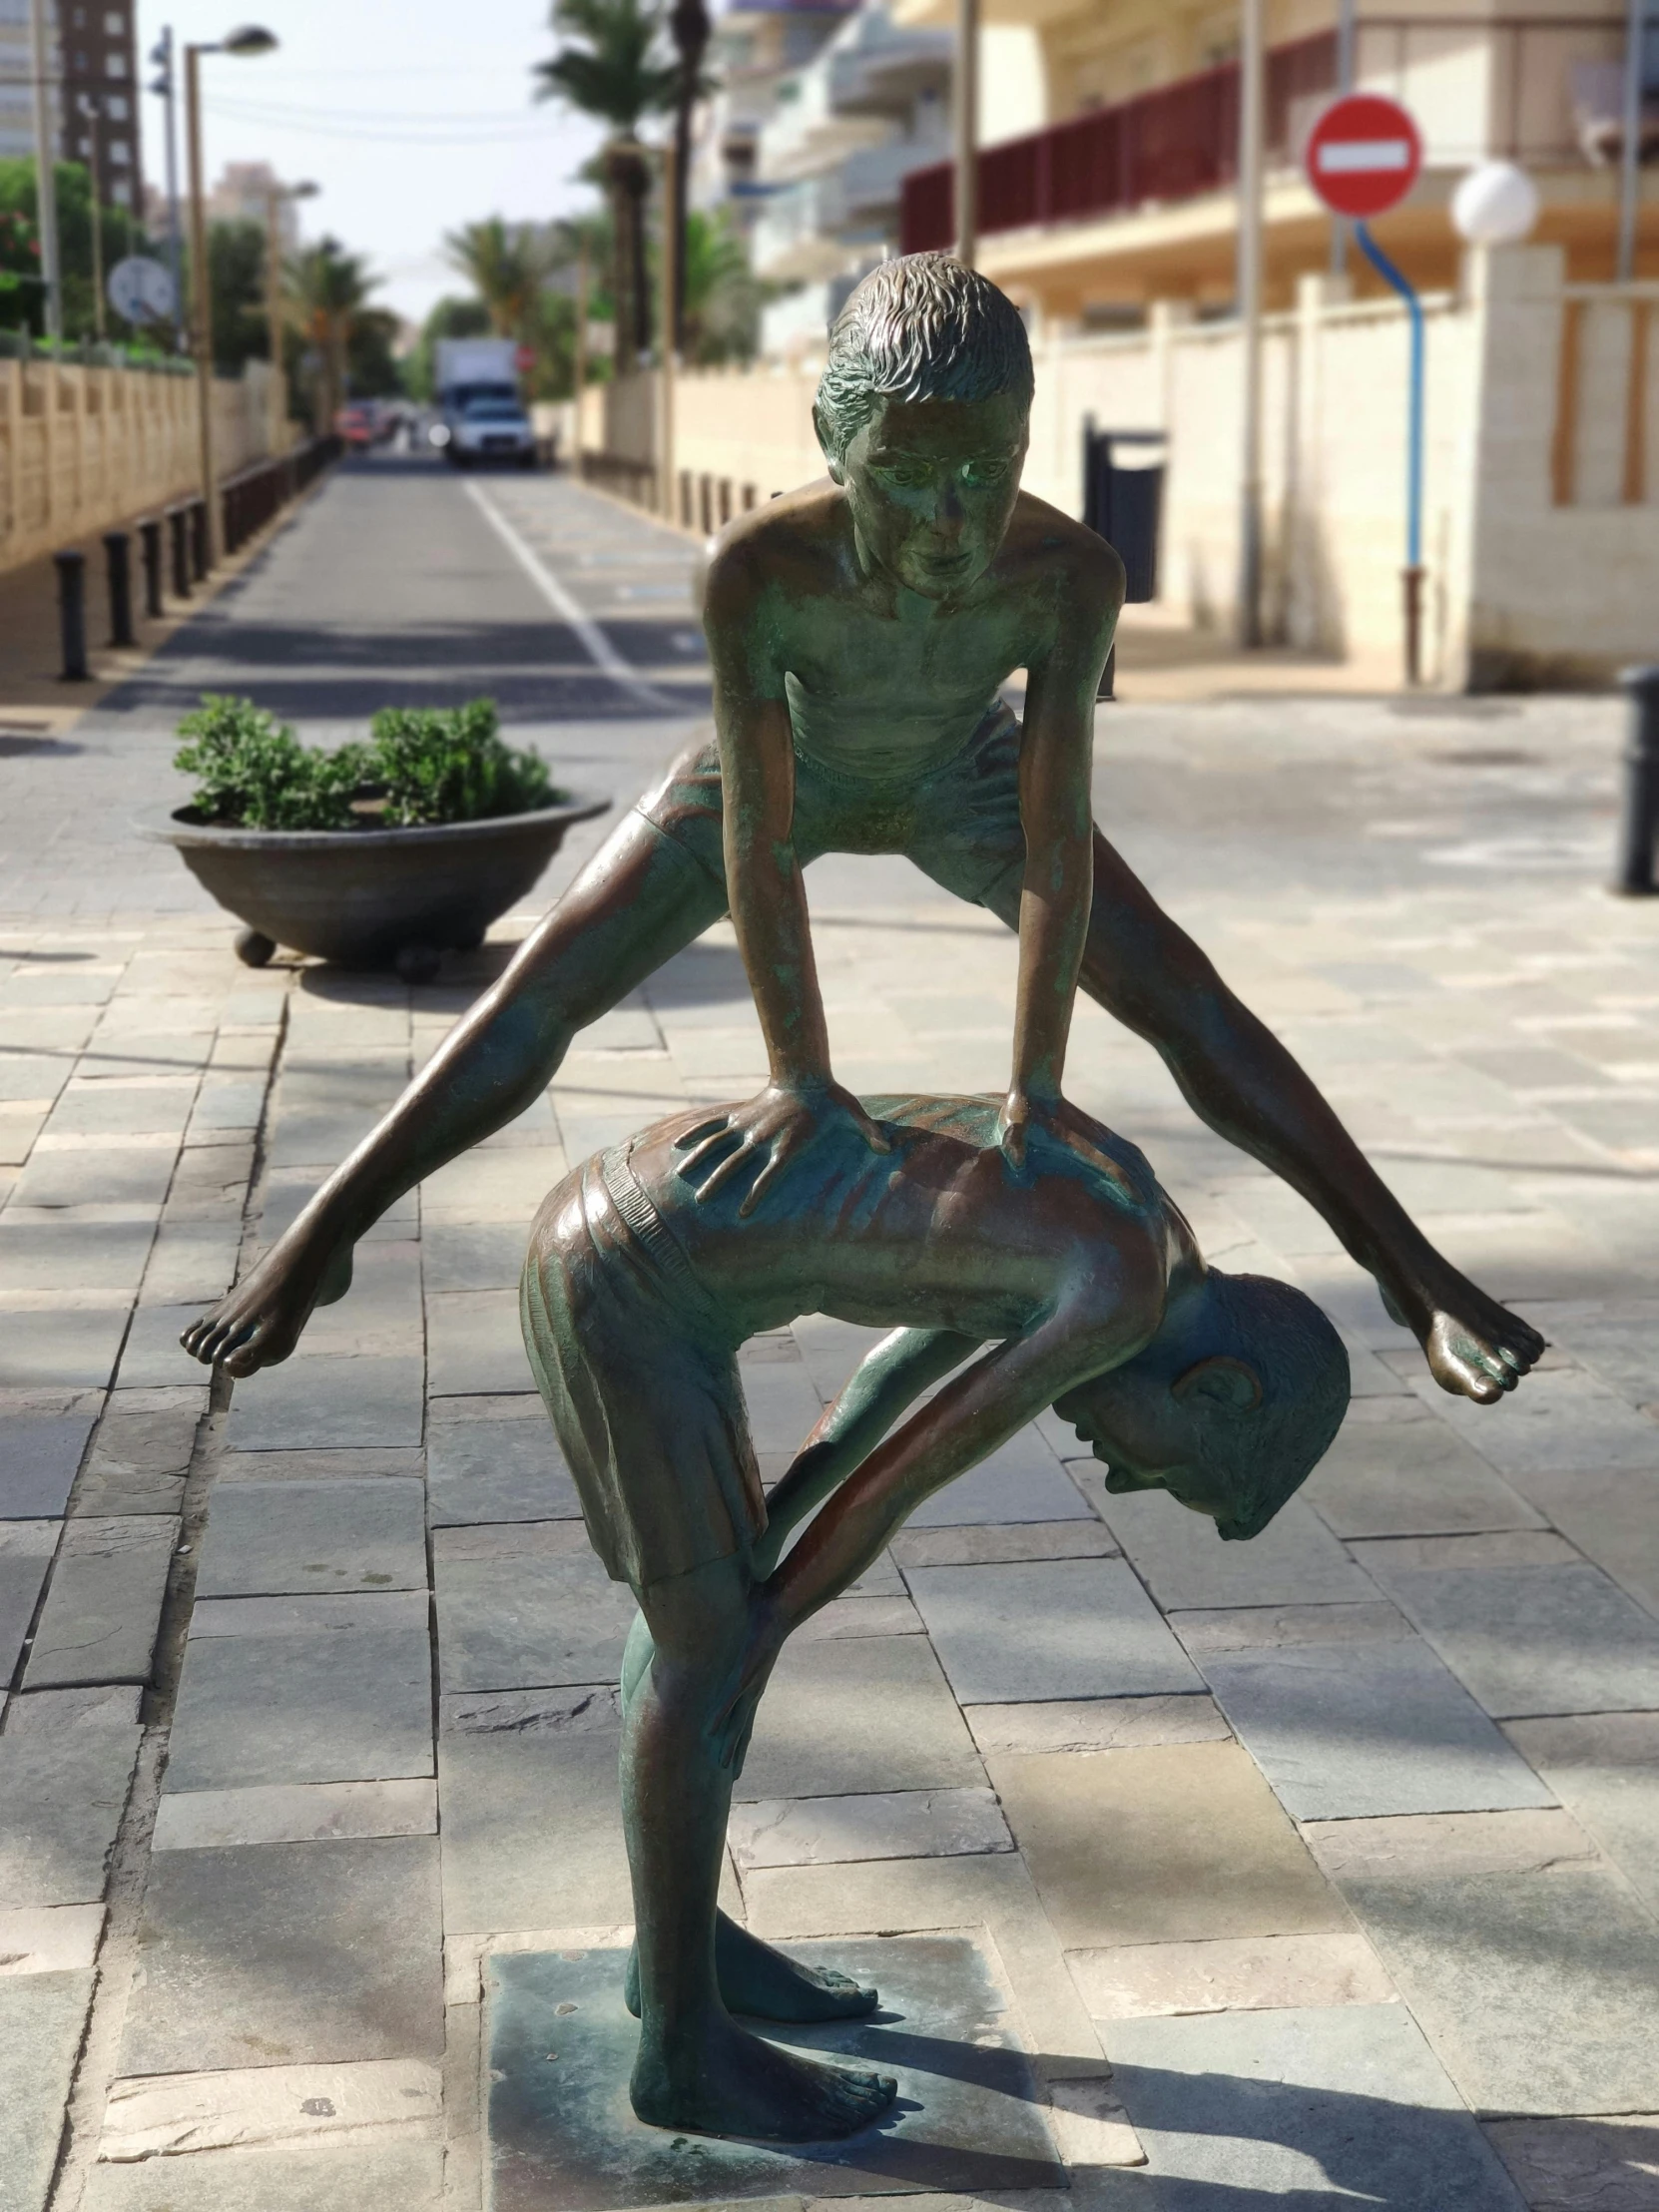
{"points": [[767, 897], [1056, 814]]}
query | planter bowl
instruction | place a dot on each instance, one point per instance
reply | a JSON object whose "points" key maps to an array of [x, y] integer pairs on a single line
{"points": [[370, 898]]}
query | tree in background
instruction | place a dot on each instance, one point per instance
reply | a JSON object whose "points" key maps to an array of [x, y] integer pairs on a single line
{"points": [[22, 296], [325, 296], [722, 294], [235, 273], [611, 65], [506, 263]]}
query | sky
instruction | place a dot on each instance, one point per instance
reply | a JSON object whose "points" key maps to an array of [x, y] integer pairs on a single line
{"points": [[413, 116]]}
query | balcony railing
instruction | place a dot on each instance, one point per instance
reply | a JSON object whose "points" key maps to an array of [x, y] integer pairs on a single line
{"points": [[1170, 144]]}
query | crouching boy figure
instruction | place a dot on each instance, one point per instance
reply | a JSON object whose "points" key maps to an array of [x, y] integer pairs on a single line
{"points": [[648, 1269]]}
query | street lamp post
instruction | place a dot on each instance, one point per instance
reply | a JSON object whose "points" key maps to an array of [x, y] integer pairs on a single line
{"points": [[1252, 120], [277, 422], [46, 173], [967, 122], [689, 22], [248, 39], [166, 85], [90, 113]]}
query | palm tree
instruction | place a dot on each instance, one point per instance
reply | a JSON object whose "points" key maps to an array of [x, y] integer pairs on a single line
{"points": [[721, 296], [326, 294], [505, 264], [607, 67]]}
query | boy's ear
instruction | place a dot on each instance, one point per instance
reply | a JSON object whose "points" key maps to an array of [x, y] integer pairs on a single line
{"points": [[1228, 1384], [826, 448]]}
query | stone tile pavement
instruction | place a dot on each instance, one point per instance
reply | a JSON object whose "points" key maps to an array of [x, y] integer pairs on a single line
{"points": [[1320, 1869]]}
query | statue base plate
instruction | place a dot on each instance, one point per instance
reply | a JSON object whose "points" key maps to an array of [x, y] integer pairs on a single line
{"points": [[562, 2136]]}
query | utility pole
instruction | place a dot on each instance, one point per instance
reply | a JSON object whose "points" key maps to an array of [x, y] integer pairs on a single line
{"points": [[90, 111], [580, 366], [1347, 60], [689, 22], [665, 353], [160, 53], [46, 166], [200, 298], [1252, 120], [1630, 145], [966, 130]]}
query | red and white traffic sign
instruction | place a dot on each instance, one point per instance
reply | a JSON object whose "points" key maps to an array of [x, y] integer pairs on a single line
{"points": [[525, 360], [1363, 155]]}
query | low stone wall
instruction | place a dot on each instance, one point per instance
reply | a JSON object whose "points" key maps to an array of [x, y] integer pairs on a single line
{"points": [[82, 448]]}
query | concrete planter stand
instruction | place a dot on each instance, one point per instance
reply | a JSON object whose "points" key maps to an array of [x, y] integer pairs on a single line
{"points": [[371, 899]]}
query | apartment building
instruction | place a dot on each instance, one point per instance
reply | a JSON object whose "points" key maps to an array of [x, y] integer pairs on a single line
{"points": [[758, 46], [1124, 194], [100, 93], [17, 130]]}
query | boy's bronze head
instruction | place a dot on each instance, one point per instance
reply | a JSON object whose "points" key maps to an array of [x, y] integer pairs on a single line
{"points": [[921, 413]]}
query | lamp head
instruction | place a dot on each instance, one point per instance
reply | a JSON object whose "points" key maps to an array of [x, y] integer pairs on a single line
{"points": [[1496, 204], [247, 38]]}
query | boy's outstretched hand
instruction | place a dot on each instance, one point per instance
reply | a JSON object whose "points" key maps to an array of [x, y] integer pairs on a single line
{"points": [[773, 1128]]}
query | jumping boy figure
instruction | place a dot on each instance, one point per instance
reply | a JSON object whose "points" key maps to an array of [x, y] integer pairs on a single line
{"points": [[860, 631]]}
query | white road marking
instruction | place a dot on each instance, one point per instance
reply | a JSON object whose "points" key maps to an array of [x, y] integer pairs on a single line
{"points": [[594, 641]]}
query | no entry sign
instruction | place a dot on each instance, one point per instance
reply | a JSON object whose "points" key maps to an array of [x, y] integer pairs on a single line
{"points": [[1363, 155]]}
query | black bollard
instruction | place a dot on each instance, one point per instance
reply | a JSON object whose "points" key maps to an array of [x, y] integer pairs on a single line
{"points": [[118, 574], [1640, 826], [150, 553], [71, 614], [177, 533], [199, 539]]}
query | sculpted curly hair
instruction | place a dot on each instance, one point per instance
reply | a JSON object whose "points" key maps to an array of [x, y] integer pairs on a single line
{"points": [[923, 326]]}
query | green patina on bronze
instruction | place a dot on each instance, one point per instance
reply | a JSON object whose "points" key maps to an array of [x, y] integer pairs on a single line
{"points": [[860, 633]]}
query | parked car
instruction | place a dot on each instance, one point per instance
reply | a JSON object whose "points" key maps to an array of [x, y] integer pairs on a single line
{"points": [[493, 429], [358, 423]]}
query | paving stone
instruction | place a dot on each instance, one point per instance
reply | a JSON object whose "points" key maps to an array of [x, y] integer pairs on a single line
{"points": [[288, 1952], [1534, 1989], [548, 1539], [294, 1813], [999, 1543], [136, 1105], [473, 1255], [192, 1261], [26, 1549], [831, 1348], [1529, 1640], [365, 2177], [60, 1348], [155, 2118], [96, 1175], [1504, 1547], [1571, 2165], [1611, 1515], [1312, 2105], [858, 1716], [46, 1255], [1343, 1731], [530, 1622], [1563, 1418], [283, 1616], [898, 1823], [64, 1790], [344, 1704], [534, 1774], [307, 1405], [41, 2021], [1253, 1974], [1272, 1627], [1526, 1842], [557, 2135], [1605, 1769], [100, 1706], [1062, 1628], [474, 1344], [1021, 1481], [778, 1397], [153, 1355], [104, 1606], [1097, 1724], [493, 1186], [355, 1465], [1408, 1474], [498, 1470], [1166, 1845], [276, 1538], [1295, 1561], [48, 1939]]}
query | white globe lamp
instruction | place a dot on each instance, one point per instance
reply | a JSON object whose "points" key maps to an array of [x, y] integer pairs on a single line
{"points": [[1495, 205]]}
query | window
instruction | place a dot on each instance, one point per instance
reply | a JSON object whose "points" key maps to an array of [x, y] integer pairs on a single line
{"points": [[121, 192], [115, 107], [115, 25], [119, 153], [115, 65]]}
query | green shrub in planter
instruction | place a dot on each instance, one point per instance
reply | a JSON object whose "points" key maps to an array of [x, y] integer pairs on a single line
{"points": [[421, 765]]}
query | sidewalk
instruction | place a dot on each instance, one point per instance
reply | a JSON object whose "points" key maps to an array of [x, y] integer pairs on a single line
{"points": [[1336, 1849]]}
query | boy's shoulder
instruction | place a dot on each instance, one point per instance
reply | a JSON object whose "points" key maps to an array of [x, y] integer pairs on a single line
{"points": [[794, 540], [1042, 539]]}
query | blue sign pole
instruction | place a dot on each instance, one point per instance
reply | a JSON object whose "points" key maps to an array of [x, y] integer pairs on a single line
{"points": [[1413, 449]]}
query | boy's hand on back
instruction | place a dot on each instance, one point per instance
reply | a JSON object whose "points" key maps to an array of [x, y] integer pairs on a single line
{"points": [[1026, 1110], [773, 1128]]}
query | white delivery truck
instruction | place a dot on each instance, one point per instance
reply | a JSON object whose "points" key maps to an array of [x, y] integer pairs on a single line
{"points": [[480, 415]]}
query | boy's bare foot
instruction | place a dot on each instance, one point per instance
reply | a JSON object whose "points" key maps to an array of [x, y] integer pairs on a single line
{"points": [[1475, 1346], [769, 1986], [257, 1323], [724, 2081]]}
